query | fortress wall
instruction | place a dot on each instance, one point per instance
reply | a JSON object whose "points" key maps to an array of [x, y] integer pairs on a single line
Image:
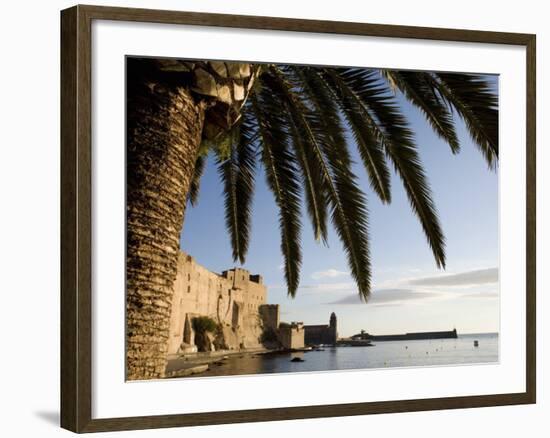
{"points": [[292, 335], [321, 334], [270, 315], [231, 299]]}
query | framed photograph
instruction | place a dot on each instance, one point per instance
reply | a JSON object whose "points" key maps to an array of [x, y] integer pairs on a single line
{"points": [[270, 219]]}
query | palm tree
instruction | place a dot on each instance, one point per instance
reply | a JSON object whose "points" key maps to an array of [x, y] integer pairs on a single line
{"points": [[292, 120]]}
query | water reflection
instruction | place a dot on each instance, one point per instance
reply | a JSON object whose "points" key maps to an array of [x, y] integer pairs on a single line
{"points": [[382, 355]]}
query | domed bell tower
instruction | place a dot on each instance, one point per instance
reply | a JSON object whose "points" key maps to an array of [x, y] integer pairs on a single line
{"points": [[333, 328]]}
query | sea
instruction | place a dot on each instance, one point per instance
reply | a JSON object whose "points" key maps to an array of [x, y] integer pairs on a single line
{"points": [[385, 354]]}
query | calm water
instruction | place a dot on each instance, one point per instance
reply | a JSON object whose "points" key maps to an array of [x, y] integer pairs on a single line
{"points": [[381, 355]]}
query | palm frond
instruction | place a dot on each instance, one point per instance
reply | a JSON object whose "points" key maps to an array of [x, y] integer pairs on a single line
{"points": [[370, 148], [348, 204], [382, 113], [299, 122], [237, 173], [312, 177], [194, 188], [418, 88], [283, 179], [477, 104]]}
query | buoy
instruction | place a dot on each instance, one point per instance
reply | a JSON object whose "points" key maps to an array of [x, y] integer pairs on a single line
{"points": [[476, 343]]}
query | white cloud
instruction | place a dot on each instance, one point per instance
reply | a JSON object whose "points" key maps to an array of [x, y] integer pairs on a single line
{"points": [[480, 283], [468, 278], [330, 287], [329, 273], [388, 296]]}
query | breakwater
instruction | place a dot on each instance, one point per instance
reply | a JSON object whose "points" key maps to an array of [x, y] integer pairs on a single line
{"points": [[451, 334]]}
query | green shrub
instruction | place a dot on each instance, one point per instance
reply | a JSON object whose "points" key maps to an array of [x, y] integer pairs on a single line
{"points": [[203, 324]]}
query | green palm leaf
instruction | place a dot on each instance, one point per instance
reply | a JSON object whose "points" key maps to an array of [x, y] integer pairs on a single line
{"points": [[418, 87], [347, 202], [283, 180], [370, 148], [194, 188], [237, 174], [390, 127], [312, 176], [298, 122], [477, 104]]}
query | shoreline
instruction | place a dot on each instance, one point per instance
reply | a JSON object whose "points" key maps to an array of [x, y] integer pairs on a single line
{"points": [[385, 355], [184, 365]]}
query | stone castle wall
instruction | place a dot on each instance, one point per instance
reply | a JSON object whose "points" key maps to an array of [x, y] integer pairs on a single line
{"points": [[270, 315], [322, 334], [232, 299], [291, 335]]}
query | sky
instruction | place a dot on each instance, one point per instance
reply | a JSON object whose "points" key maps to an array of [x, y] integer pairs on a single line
{"points": [[409, 293]]}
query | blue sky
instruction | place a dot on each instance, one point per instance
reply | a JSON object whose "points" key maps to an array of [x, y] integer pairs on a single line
{"points": [[409, 292]]}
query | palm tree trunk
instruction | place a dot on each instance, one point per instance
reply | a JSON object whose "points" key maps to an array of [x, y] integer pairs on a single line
{"points": [[163, 137]]}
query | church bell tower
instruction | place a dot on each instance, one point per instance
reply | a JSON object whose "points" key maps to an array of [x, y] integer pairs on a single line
{"points": [[333, 328], [333, 320]]}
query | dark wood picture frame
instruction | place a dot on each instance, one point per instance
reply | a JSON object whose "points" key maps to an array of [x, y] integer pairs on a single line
{"points": [[76, 218]]}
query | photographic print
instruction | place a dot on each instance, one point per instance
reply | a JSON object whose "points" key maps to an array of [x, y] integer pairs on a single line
{"points": [[297, 218]]}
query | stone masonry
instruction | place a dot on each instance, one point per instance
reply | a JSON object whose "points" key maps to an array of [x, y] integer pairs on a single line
{"points": [[322, 334], [234, 299]]}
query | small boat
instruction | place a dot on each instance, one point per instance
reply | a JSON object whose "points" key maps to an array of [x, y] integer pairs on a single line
{"points": [[360, 343], [476, 343], [297, 359]]}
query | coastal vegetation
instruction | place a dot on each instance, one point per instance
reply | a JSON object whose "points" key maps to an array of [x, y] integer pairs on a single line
{"points": [[203, 326], [299, 124]]}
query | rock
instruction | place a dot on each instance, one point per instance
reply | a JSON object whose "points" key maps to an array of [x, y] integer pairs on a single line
{"points": [[187, 348], [189, 371]]}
